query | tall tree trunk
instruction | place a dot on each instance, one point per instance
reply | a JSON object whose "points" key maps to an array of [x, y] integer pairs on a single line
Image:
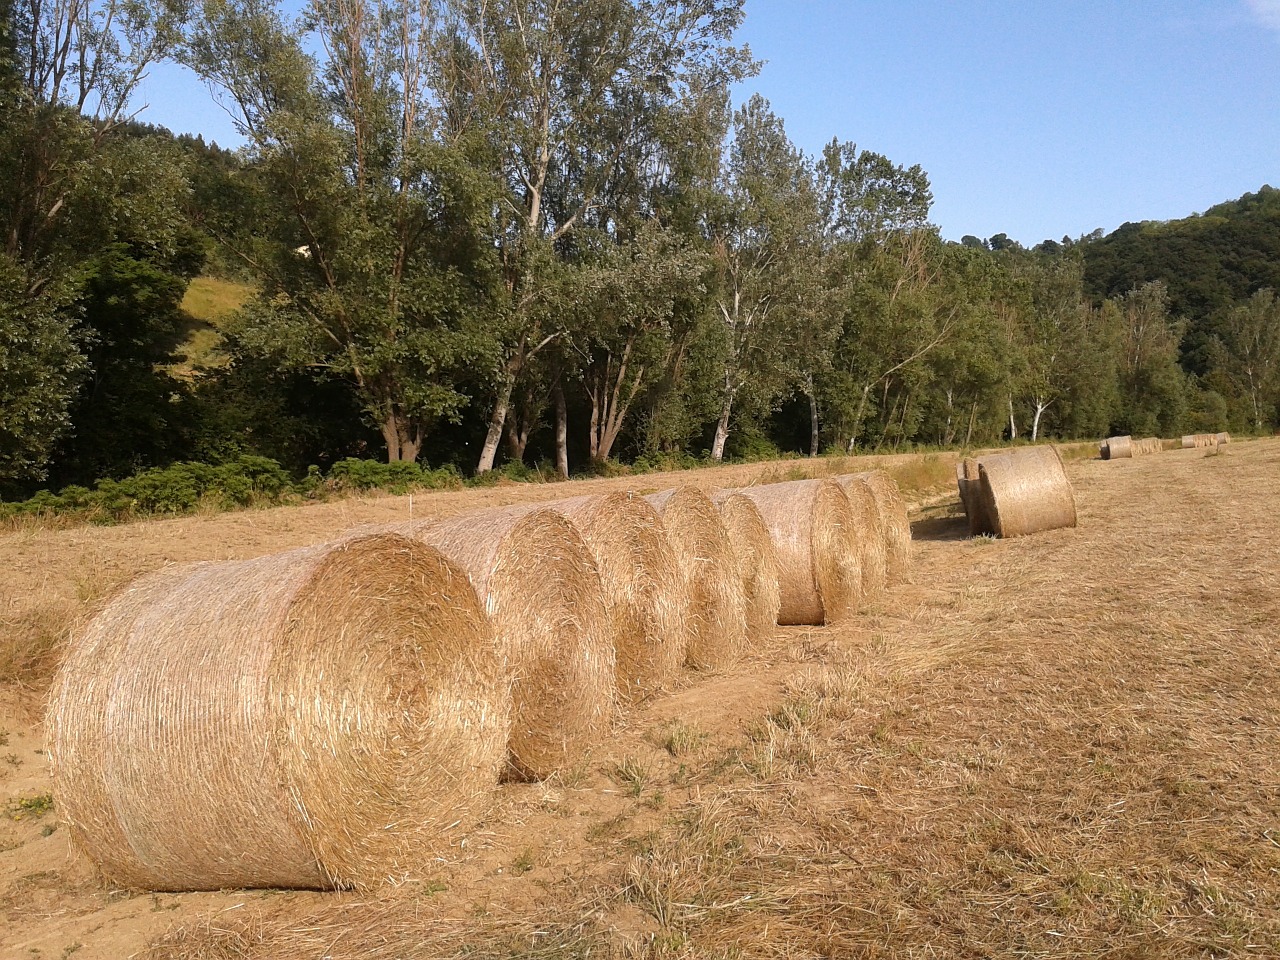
{"points": [[857, 418], [1035, 421], [813, 419], [1013, 427], [562, 430], [489, 452], [722, 426], [973, 416], [402, 437]]}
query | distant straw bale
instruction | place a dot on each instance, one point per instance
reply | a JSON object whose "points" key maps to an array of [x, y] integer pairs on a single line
{"points": [[1026, 491], [812, 528], [969, 482], [541, 587], [757, 562], [643, 586], [717, 604], [1117, 448], [1223, 438], [893, 519], [329, 717], [869, 534]]}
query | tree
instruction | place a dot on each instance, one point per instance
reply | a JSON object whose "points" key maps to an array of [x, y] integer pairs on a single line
{"points": [[571, 96], [40, 368], [1251, 336], [375, 271], [1152, 385], [763, 225]]}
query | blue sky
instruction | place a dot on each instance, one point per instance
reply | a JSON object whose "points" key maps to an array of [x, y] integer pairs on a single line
{"points": [[1038, 118]]}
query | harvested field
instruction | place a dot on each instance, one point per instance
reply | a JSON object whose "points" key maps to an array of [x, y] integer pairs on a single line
{"points": [[1060, 745]]}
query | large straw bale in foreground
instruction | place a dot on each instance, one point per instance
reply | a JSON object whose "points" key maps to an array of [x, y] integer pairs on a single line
{"points": [[757, 562], [643, 586], [327, 717], [716, 613], [1026, 491], [893, 520], [968, 480], [870, 533], [812, 528], [1117, 448], [541, 587]]}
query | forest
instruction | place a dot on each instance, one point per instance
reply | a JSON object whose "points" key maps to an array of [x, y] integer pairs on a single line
{"points": [[533, 234]]}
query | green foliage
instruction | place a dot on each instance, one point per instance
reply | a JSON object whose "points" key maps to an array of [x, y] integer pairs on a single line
{"points": [[397, 477], [41, 366]]}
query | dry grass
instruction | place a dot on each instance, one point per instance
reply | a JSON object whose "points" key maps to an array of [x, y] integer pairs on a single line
{"points": [[994, 763]]}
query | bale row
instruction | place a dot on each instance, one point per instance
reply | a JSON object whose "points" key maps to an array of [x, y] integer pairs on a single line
{"points": [[335, 717], [1192, 441], [1016, 493]]}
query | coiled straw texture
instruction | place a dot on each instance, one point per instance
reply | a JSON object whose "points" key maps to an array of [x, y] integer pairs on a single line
{"points": [[541, 588], [716, 604], [1027, 491], [1117, 448], [757, 562], [327, 717], [893, 519], [643, 586], [869, 534], [812, 528]]}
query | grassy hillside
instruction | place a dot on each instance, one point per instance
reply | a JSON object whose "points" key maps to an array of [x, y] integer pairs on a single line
{"points": [[208, 303]]}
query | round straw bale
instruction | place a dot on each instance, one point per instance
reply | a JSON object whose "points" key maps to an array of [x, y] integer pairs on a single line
{"points": [[716, 614], [1188, 442], [327, 717], [756, 560], [1119, 448], [1026, 491], [967, 479], [893, 516], [540, 585], [643, 586], [1223, 438], [868, 534], [812, 528]]}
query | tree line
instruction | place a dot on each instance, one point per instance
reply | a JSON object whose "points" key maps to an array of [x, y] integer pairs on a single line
{"points": [[488, 231]]}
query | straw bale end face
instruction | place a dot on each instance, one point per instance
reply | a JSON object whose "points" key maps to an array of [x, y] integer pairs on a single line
{"points": [[542, 590], [327, 717], [715, 602], [895, 522], [1026, 492], [756, 562], [812, 528], [643, 586]]}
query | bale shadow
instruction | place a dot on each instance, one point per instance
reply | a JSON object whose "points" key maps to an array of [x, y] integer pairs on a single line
{"points": [[941, 528]]}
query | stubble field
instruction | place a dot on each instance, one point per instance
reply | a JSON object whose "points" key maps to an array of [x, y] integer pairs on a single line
{"points": [[1061, 746]]}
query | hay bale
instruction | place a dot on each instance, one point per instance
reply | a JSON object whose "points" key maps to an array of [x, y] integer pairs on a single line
{"points": [[327, 717], [1026, 491], [869, 534], [969, 482], [643, 586], [757, 562], [541, 587], [716, 611], [812, 528], [1188, 442], [894, 522], [1118, 448], [1223, 438]]}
